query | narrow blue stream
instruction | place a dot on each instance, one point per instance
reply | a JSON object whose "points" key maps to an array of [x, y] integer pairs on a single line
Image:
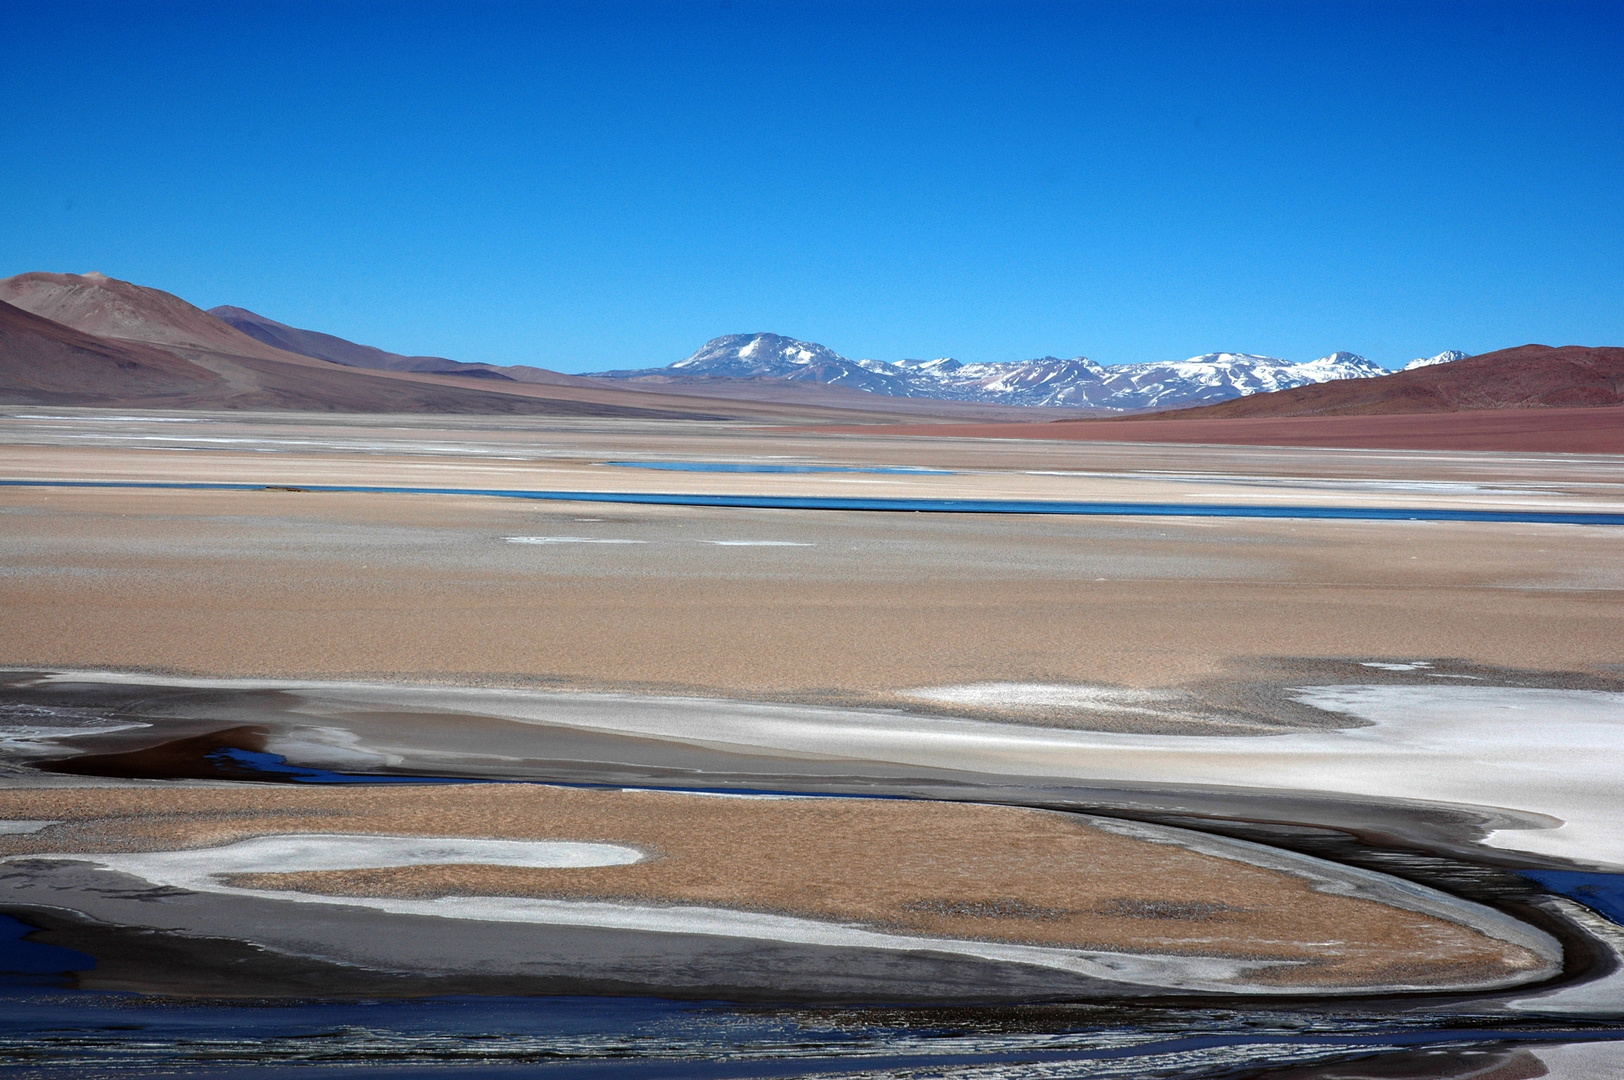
{"points": [[767, 467], [1601, 893], [916, 506], [26, 963], [92, 1034]]}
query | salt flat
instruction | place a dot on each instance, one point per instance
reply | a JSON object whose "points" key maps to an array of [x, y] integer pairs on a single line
{"points": [[1405, 667], [269, 582]]}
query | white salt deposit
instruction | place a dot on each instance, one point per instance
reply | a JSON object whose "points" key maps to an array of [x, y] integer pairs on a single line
{"points": [[13, 828], [569, 540], [759, 543], [329, 748], [200, 869], [997, 695], [1595, 997], [203, 870], [1601, 1060], [35, 739], [1547, 754]]}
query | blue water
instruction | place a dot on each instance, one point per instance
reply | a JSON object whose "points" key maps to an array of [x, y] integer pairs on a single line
{"points": [[102, 1034], [276, 767], [31, 963], [928, 506], [66, 1033], [1601, 893], [753, 467]]}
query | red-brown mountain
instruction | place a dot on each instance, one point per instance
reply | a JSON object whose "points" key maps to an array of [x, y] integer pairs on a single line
{"points": [[1529, 376], [94, 340], [109, 308], [45, 363]]}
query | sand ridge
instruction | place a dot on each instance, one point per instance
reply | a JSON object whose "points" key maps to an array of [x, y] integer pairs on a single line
{"points": [[969, 871]]}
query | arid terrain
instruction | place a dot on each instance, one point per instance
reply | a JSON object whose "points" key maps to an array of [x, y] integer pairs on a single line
{"points": [[804, 541], [866, 714], [781, 602]]}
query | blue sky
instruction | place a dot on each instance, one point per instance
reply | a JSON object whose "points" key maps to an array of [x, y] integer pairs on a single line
{"points": [[609, 185]]}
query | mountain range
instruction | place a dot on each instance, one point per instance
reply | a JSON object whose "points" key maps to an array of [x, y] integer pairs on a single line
{"points": [[94, 340], [89, 339], [1526, 377], [764, 359], [1047, 381]]}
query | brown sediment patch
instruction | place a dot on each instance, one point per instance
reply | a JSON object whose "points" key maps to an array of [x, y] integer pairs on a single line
{"points": [[952, 870], [194, 758]]}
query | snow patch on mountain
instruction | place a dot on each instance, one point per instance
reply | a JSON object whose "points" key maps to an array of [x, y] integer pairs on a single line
{"points": [[1448, 356]]}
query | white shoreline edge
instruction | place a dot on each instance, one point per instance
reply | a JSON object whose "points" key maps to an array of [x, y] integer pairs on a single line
{"points": [[200, 870]]}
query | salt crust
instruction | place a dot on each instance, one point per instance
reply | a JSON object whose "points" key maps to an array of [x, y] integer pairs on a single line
{"points": [[198, 869], [207, 870], [569, 540], [1007, 695], [759, 543], [40, 739], [1582, 1061], [1540, 752], [14, 828], [1597, 997]]}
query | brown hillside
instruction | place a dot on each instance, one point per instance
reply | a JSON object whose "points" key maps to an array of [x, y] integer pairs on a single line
{"points": [[1529, 376], [110, 308], [246, 373], [94, 340], [46, 363]]}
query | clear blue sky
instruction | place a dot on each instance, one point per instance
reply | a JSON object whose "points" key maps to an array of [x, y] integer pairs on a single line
{"points": [[609, 185]]}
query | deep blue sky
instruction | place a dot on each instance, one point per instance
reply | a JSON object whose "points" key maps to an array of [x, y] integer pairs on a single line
{"points": [[603, 185]]}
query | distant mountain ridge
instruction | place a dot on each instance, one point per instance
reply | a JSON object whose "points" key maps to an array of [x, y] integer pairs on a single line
{"points": [[89, 339], [326, 346], [337, 350], [1046, 381], [94, 340], [1526, 377]]}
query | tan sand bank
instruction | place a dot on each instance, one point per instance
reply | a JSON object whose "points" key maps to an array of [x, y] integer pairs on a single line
{"points": [[916, 869]]}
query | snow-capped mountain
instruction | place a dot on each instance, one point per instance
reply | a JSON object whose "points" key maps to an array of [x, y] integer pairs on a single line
{"points": [[1446, 357], [770, 356], [1048, 380], [1221, 376]]}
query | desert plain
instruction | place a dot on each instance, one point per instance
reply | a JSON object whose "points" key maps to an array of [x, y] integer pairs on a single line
{"points": [[845, 753]]}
